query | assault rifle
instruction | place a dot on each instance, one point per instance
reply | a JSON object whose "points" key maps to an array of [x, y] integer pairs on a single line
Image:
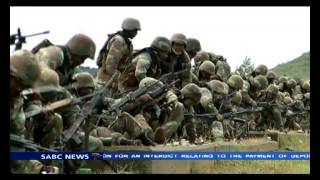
{"points": [[83, 115], [21, 142], [22, 39], [209, 117]]}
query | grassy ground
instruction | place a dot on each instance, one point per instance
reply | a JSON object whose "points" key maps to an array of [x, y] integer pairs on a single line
{"points": [[259, 167], [287, 143]]}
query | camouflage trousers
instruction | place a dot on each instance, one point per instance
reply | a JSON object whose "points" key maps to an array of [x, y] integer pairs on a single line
{"points": [[271, 118], [47, 130]]}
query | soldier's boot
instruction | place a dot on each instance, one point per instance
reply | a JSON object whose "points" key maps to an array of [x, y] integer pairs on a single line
{"points": [[147, 137], [191, 132], [106, 141], [125, 141], [159, 135]]}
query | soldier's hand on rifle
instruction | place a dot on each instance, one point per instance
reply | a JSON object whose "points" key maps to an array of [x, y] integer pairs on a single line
{"points": [[219, 117], [254, 104], [145, 98]]}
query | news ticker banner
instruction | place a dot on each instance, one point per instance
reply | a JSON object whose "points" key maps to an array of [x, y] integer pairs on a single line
{"points": [[159, 155]]}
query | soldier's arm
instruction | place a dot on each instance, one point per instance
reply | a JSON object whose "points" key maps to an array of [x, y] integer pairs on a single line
{"points": [[143, 64], [115, 54], [186, 77]]}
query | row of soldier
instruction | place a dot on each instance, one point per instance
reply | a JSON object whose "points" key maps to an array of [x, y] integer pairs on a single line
{"points": [[168, 110]]}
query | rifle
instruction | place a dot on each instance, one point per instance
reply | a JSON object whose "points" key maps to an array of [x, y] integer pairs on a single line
{"points": [[119, 103], [19, 141], [265, 104], [86, 111], [209, 117], [22, 39], [57, 104], [39, 90]]}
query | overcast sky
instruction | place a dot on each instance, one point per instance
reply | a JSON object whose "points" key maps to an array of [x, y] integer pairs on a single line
{"points": [[269, 35]]}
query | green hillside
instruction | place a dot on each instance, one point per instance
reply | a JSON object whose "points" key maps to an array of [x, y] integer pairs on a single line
{"points": [[296, 68]]}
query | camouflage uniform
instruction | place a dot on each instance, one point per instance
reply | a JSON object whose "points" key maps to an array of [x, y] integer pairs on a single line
{"points": [[149, 62], [44, 128], [116, 54], [166, 121], [178, 61], [272, 113], [24, 70], [191, 96], [64, 59]]}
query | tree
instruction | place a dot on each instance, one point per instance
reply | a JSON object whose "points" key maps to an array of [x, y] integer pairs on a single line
{"points": [[245, 68]]}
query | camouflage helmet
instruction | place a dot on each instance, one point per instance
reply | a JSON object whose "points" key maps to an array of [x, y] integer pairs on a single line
{"points": [[161, 43], [235, 81], [193, 45], [287, 100], [207, 66], [52, 56], [273, 89], [306, 86], [283, 79], [201, 56], [236, 98], [260, 82], [261, 70], [23, 65], [307, 95], [286, 94], [48, 77], [218, 87], [130, 24], [83, 80], [148, 81], [291, 83], [179, 38], [191, 91], [271, 75], [82, 46]]}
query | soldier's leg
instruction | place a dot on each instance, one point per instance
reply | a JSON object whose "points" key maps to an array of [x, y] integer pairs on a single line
{"points": [[52, 130], [217, 130], [277, 118]]}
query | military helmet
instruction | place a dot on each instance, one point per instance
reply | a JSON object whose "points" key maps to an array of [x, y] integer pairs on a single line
{"points": [[148, 81], [218, 87], [287, 100], [208, 67], [179, 38], [291, 83], [131, 24], [193, 45], [52, 56], [48, 77], [83, 80], [261, 70], [201, 56], [307, 95], [82, 46], [273, 89], [271, 75], [260, 82], [235, 81], [191, 91], [236, 98], [283, 79], [306, 86], [161, 43], [23, 65]]}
